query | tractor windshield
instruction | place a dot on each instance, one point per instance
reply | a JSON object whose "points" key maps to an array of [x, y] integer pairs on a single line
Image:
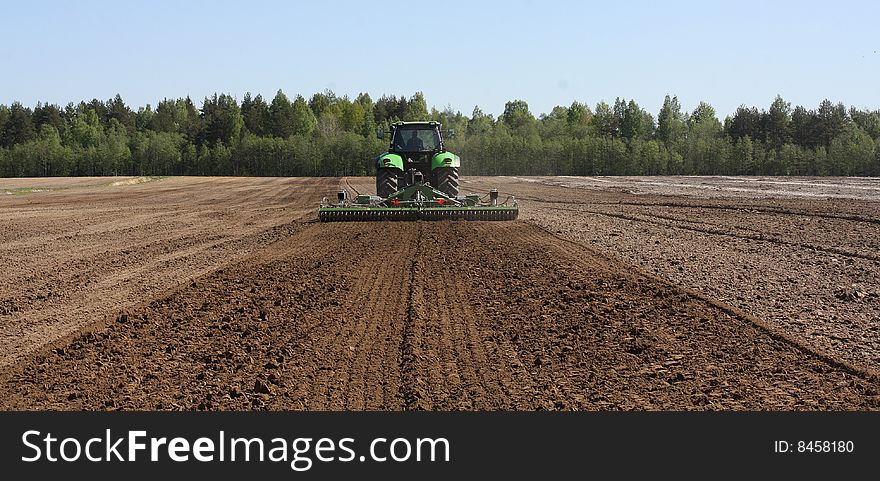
{"points": [[416, 139]]}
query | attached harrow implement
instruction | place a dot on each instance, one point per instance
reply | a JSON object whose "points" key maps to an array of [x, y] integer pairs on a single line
{"points": [[417, 202]]}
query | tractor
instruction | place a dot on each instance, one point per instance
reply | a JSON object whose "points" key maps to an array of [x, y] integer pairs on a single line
{"points": [[417, 155], [417, 179]]}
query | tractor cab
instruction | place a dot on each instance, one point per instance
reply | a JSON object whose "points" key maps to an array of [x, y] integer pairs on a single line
{"points": [[417, 143], [416, 138]]}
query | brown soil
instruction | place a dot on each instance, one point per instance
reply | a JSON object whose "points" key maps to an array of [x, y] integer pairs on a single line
{"points": [[224, 294], [807, 263], [79, 252]]}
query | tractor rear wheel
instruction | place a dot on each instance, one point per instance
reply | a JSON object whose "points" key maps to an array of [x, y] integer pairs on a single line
{"points": [[386, 182], [447, 180]]}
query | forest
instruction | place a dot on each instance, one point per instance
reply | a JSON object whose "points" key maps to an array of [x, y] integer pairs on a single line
{"points": [[327, 135]]}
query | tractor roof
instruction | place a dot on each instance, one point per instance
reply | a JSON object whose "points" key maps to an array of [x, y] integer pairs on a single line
{"points": [[421, 122]]}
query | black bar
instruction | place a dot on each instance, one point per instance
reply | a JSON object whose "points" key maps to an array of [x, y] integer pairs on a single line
{"points": [[513, 445]]}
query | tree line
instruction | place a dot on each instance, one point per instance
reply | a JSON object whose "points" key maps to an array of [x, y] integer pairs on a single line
{"points": [[331, 135]]}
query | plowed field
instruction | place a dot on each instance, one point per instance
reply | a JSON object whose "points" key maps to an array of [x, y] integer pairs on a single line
{"points": [[224, 293]]}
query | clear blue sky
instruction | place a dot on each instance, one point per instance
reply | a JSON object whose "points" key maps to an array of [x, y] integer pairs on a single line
{"points": [[459, 53]]}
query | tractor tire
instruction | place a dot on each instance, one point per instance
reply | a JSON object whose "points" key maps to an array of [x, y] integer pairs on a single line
{"points": [[447, 181], [386, 182]]}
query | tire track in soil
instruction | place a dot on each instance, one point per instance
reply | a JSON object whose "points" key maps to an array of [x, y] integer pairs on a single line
{"points": [[516, 387], [747, 208], [371, 322], [447, 361], [412, 384], [680, 224], [751, 209], [348, 183]]}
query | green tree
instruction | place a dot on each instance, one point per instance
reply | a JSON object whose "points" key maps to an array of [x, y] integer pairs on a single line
{"points": [[282, 114], [101, 110], [144, 118], [368, 129], [352, 119], [867, 121], [603, 120], [416, 108], [5, 115], [579, 114], [634, 122], [116, 150], [53, 156], [118, 110], [304, 121], [321, 102], [743, 156], [6, 166], [256, 116], [804, 127], [166, 118], [328, 124], [670, 123], [222, 120], [158, 153], [517, 115], [19, 127], [831, 121], [389, 108], [48, 114], [365, 100], [745, 121], [191, 120], [86, 130], [851, 152], [779, 122], [480, 123]]}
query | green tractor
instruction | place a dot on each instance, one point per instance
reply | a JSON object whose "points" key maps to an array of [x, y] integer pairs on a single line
{"points": [[416, 155], [417, 179]]}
